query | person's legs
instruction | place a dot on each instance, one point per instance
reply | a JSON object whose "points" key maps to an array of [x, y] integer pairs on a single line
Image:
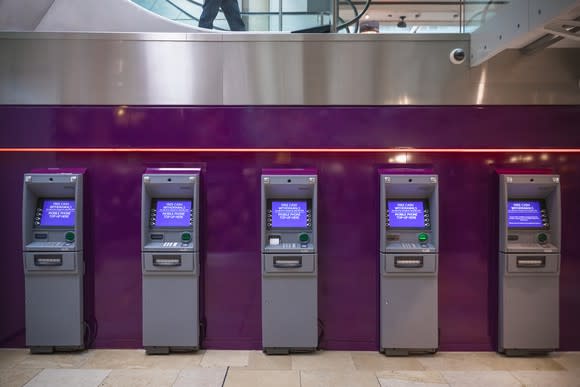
{"points": [[232, 12], [209, 13]]}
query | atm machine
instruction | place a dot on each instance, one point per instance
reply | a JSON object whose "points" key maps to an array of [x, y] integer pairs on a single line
{"points": [[409, 239], [170, 259], [289, 261], [52, 236], [529, 263]]}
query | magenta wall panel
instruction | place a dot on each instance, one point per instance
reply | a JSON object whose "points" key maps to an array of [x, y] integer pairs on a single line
{"points": [[348, 205]]}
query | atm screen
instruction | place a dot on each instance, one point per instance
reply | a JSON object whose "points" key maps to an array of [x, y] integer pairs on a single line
{"points": [[289, 214], [525, 214], [57, 213], [406, 214], [173, 213]]}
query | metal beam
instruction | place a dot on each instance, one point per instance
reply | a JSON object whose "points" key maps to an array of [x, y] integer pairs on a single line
{"points": [[518, 24]]}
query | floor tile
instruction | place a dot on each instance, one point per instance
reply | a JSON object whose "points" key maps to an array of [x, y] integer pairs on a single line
{"points": [[115, 359], [175, 361], [56, 360], [16, 377], [218, 358], [375, 361], [481, 378], [411, 379], [201, 377], [458, 361], [569, 360], [548, 378], [260, 361], [239, 377], [66, 378], [499, 362], [338, 379], [10, 357], [138, 378], [323, 360]]}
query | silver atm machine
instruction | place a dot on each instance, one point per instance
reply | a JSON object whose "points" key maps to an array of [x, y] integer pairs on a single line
{"points": [[170, 259], [289, 261], [409, 232], [529, 263], [52, 235]]}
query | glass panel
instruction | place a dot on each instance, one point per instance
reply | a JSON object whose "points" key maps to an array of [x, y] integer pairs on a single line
{"points": [[406, 17], [477, 13], [258, 15]]}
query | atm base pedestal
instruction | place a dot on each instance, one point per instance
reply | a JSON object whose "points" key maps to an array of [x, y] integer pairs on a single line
{"points": [[407, 352], [168, 350], [286, 351], [45, 350], [525, 352], [289, 304]]}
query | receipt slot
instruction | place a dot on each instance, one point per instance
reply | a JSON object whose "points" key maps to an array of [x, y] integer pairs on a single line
{"points": [[170, 259], [52, 230], [409, 232], [289, 261], [529, 263]]}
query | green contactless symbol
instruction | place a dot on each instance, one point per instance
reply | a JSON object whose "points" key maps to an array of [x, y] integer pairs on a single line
{"points": [[186, 237], [304, 238], [423, 237], [69, 236]]}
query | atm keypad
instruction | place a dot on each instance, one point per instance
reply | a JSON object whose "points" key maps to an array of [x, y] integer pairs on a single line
{"points": [[170, 244], [410, 245]]}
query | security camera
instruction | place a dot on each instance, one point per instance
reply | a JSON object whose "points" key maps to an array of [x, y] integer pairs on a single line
{"points": [[457, 56]]}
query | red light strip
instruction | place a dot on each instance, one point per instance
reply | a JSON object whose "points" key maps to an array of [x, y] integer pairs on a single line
{"points": [[294, 150]]}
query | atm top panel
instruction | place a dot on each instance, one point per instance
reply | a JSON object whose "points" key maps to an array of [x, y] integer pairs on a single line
{"points": [[410, 169], [55, 213], [171, 213], [408, 214], [527, 214], [172, 171], [63, 171], [289, 171]]}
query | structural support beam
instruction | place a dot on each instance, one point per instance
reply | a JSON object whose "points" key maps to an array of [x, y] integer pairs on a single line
{"points": [[520, 23]]}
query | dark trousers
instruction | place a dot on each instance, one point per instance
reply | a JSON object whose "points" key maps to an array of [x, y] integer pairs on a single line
{"points": [[231, 10]]}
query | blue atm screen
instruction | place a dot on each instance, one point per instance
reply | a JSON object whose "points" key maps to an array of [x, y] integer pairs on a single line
{"points": [[406, 213], [58, 213], [524, 214], [289, 214], [173, 213]]}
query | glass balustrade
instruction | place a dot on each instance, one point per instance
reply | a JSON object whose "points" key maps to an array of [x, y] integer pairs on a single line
{"points": [[407, 17]]}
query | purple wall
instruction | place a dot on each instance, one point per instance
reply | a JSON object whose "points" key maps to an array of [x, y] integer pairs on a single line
{"points": [[348, 238]]}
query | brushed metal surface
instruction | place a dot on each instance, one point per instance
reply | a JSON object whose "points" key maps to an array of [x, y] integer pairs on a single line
{"points": [[273, 69]]}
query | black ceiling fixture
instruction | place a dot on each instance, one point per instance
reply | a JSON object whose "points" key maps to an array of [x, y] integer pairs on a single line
{"points": [[402, 23]]}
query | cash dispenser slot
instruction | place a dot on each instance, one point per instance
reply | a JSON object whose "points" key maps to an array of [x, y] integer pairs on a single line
{"points": [[406, 262], [167, 260], [48, 260], [531, 262], [287, 262]]}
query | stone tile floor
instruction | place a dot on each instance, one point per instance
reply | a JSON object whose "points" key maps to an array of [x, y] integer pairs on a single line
{"points": [[213, 368]]}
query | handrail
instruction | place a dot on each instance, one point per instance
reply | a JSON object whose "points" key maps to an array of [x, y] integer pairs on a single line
{"points": [[356, 18]]}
